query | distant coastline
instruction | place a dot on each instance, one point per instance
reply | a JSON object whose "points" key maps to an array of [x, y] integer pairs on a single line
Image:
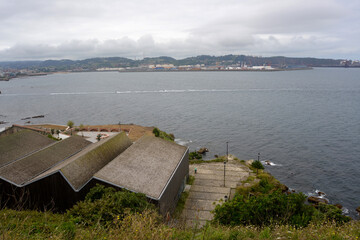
{"points": [[156, 70]]}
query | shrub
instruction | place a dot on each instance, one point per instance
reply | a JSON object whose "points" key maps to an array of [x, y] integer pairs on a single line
{"points": [[194, 155], [190, 180], [70, 124], [53, 138], [104, 205], [98, 137], [163, 135], [330, 213], [156, 132], [257, 165], [265, 210], [275, 208]]}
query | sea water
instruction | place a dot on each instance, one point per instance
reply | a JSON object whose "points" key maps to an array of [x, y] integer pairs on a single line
{"points": [[306, 123]]}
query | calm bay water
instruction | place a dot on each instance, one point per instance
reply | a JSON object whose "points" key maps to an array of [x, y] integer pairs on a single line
{"points": [[306, 122]]}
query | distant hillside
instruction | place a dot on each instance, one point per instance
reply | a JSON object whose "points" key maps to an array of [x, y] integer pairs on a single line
{"points": [[117, 62]]}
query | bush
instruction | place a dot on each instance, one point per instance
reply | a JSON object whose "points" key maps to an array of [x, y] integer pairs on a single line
{"points": [[52, 137], [275, 208], [265, 210], [70, 124], [104, 205], [330, 213], [156, 132], [163, 135], [194, 155], [257, 165]]}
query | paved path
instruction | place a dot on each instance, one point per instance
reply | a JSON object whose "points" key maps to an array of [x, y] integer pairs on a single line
{"points": [[208, 189]]}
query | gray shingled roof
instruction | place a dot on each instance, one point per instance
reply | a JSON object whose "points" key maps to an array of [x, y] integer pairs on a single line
{"points": [[21, 143], [27, 168], [145, 167], [80, 168]]}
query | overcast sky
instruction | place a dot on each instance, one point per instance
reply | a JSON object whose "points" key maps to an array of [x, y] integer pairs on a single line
{"points": [[78, 29]]}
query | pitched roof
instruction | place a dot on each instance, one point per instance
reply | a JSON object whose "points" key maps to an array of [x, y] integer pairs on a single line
{"points": [[80, 168], [21, 143], [27, 168], [145, 167]]}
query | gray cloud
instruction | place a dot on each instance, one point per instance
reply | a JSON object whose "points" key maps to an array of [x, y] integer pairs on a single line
{"points": [[41, 29]]}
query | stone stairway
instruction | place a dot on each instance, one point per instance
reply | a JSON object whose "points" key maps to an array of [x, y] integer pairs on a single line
{"points": [[208, 189]]}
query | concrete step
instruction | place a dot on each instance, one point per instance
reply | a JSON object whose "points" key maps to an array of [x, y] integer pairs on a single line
{"points": [[220, 172], [218, 177], [218, 167], [200, 204], [215, 183], [210, 189], [193, 223], [197, 214], [206, 196]]}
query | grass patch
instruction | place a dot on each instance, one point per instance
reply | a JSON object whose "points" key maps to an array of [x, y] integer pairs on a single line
{"points": [[190, 180], [206, 161], [148, 225], [249, 179], [53, 138], [161, 134], [180, 205], [263, 183]]}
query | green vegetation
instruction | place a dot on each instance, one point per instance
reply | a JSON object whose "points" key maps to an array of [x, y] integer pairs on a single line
{"points": [[190, 180], [180, 205], [98, 137], [94, 63], [53, 138], [275, 208], [160, 134], [195, 155], [257, 165], [156, 132], [149, 225], [263, 183], [194, 160], [70, 124], [107, 214], [262, 202], [103, 205]]}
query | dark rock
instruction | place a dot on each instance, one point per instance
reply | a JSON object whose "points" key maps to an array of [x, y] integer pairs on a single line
{"points": [[2, 122], [216, 156], [203, 150], [358, 210], [26, 118], [28, 122], [268, 162], [321, 193], [317, 200], [284, 188], [339, 206], [38, 116]]}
